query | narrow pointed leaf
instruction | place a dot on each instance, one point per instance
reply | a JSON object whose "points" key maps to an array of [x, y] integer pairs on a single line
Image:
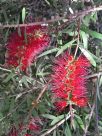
{"points": [[88, 56], [23, 14], [63, 48]]}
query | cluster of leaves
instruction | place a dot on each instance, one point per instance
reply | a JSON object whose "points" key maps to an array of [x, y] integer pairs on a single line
{"points": [[19, 91]]}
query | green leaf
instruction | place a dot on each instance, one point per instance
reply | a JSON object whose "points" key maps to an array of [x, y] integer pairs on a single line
{"points": [[43, 74], [94, 34], [80, 122], [100, 81], [84, 38], [100, 122], [12, 104], [70, 32], [23, 14], [47, 2], [34, 113], [25, 80], [97, 59], [7, 105], [57, 119], [9, 77], [88, 56], [94, 16], [48, 52], [29, 79], [28, 100], [5, 15], [49, 116], [67, 130], [1, 115], [6, 35], [86, 20], [63, 48], [42, 108], [54, 133]]}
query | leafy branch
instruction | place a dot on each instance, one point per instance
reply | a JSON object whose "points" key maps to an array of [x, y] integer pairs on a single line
{"points": [[68, 18]]}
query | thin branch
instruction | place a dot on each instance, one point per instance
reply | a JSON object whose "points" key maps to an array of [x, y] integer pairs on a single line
{"points": [[40, 94], [90, 116], [36, 102], [97, 105], [69, 18], [94, 75], [56, 126], [76, 50], [4, 69]]}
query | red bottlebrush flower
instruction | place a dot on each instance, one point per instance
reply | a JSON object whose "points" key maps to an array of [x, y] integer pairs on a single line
{"points": [[34, 124], [60, 105], [22, 50], [68, 81], [82, 101], [27, 135]]}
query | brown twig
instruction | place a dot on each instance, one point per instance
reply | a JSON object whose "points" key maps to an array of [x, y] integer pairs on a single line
{"points": [[78, 36], [69, 18], [35, 102], [56, 126], [94, 75], [42, 92], [90, 116]]}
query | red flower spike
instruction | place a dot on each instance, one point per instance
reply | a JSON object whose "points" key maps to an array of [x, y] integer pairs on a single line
{"points": [[60, 105], [22, 50], [27, 135], [34, 124], [68, 82], [80, 102]]}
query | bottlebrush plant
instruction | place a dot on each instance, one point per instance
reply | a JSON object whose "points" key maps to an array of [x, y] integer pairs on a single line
{"points": [[23, 48], [68, 80]]}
